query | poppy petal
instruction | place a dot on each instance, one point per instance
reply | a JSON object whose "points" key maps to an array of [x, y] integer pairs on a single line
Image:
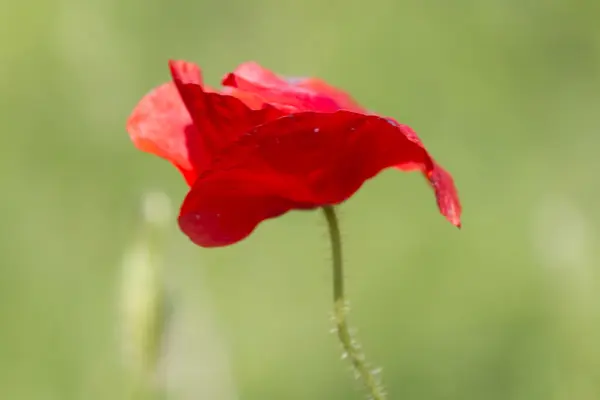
{"points": [[341, 98], [219, 118], [161, 125], [253, 72], [299, 100], [441, 181], [252, 100], [226, 207], [302, 161], [446, 194], [299, 94]]}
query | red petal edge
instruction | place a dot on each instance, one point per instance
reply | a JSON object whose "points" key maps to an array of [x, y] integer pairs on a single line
{"points": [[161, 125], [302, 161], [220, 119], [312, 92], [187, 123]]}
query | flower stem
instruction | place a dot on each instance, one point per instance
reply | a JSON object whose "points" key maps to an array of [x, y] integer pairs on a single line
{"points": [[350, 345]]}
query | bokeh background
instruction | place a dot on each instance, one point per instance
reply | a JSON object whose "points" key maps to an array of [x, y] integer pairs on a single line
{"points": [[505, 94]]}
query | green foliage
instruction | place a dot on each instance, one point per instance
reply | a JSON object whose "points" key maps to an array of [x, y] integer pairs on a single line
{"points": [[504, 94]]}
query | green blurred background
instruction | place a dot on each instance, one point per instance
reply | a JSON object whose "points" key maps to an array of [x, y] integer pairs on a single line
{"points": [[505, 95]]}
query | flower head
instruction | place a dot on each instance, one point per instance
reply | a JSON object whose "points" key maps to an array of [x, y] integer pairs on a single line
{"points": [[264, 145]]}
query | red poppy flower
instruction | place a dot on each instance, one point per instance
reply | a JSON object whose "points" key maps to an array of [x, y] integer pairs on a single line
{"points": [[265, 145]]}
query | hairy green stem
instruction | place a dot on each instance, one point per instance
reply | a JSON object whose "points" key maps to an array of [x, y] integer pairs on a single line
{"points": [[350, 346]]}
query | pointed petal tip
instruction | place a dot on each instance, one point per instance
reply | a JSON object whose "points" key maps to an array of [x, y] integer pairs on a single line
{"points": [[452, 215], [453, 218], [228, 80], [446, 194], [185, 72]]}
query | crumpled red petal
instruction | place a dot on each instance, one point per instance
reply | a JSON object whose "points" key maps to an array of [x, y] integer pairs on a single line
{"points": [[342, 99], [187, 123], [219, 118], [442, 182], [446, 194], [292, 95], [302, 161], [160, 124]]}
